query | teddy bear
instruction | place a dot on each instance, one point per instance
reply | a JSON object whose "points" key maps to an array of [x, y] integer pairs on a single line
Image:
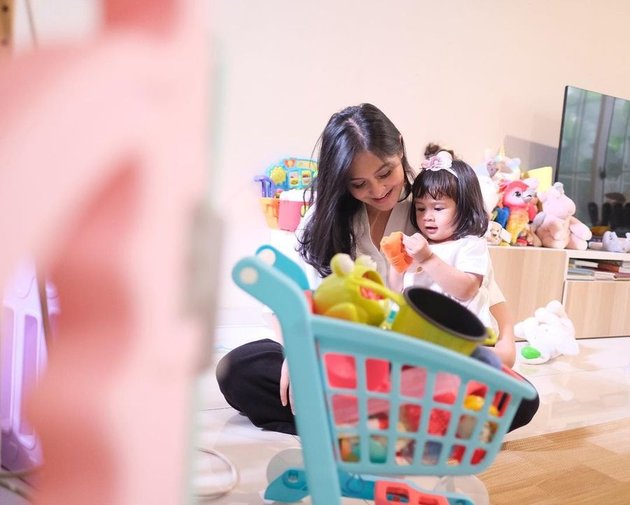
{"points": [[555, 225], [549, 333], [496, 234]]}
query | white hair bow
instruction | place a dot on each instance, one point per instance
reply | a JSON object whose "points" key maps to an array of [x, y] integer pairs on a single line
{"points": [[441, 161]]}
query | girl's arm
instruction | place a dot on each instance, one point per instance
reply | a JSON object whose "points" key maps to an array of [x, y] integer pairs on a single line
{"points": [[460, 285]]}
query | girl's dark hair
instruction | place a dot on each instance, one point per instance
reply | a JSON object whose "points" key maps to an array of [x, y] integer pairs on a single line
{"points": [[353, 130], [470, 217]]}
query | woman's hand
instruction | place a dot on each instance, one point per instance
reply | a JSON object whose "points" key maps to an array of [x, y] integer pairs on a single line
{"points": [[417, 247], [286, 395]]}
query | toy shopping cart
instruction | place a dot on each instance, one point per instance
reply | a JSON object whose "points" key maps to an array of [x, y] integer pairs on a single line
{"points": [[373, 406]]}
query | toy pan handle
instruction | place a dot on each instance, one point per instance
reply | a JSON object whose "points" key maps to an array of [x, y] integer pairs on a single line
{"points": [[279, 292]]}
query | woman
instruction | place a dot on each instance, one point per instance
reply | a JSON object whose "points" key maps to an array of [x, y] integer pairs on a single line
{"points": [[363, 187]]}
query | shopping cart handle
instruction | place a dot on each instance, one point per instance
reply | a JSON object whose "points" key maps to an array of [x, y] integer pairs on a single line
{"points": [[286, 265], [272, 287]]}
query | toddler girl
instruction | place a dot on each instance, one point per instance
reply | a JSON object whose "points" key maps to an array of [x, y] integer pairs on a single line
{"points": [[449, 254]]}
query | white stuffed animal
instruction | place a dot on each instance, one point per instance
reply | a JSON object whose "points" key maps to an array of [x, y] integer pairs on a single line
{"points": [[549, 333], [613, 243]]}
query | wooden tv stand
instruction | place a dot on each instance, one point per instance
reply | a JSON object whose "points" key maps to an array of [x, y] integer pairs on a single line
{"points": [[530, 277]]}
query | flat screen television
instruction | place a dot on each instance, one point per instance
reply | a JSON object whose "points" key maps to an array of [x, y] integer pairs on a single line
{"points": [[594, 158]]}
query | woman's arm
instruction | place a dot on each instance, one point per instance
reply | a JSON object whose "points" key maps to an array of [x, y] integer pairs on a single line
{"points": [[505, 347]]}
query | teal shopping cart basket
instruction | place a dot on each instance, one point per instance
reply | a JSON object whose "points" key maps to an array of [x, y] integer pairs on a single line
{"points": [[373, 406]]}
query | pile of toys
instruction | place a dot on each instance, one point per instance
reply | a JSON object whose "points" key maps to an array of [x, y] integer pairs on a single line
{"points": [[285, 190], [526, 209]]}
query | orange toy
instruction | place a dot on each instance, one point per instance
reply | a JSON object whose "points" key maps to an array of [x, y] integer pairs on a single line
{"points": [[393, 249]]}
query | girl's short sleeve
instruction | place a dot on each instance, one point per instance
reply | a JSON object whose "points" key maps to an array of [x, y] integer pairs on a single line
{"points": [[473, 256]]}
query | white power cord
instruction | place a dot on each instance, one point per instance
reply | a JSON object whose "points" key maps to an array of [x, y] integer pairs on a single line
{"points": [[213, 494]]}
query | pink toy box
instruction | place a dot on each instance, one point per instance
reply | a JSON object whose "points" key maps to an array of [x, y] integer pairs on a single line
{"points": [[291, 209], [22, 362]]}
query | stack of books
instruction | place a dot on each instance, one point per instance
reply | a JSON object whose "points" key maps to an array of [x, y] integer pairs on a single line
{"points": [[580, 269], [620, 270]]}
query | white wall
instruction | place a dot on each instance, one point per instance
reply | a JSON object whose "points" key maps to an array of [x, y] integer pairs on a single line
{"points": [[468, 74]]}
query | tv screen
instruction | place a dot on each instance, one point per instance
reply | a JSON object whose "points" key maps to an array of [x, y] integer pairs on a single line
{"points": [[594, 158]]}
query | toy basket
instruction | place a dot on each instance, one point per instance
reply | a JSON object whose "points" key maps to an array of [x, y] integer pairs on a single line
{"points": [[431, 412]]}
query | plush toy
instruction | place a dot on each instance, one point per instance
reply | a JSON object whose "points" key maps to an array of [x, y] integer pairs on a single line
{"points": [[549, 333], [613, 243], [352, 291], [499, 167], [555, 225], [517, 197], [496, 234], [489, 192]]}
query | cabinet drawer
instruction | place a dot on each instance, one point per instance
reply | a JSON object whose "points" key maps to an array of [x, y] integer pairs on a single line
{"points": [[598, 308]]}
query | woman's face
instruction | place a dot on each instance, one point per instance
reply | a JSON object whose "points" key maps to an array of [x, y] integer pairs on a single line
{"points": [[376, 182]]}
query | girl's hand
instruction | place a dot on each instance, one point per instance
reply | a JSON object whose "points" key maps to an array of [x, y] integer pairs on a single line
{"points": [[417, 247], [286, 395]]}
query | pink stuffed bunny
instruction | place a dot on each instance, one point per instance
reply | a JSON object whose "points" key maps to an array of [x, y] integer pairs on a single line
{"points": [[555, 225]]}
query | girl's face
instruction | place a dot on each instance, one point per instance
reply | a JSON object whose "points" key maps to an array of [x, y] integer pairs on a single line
{"points": [[436, 218], [376, 182]]}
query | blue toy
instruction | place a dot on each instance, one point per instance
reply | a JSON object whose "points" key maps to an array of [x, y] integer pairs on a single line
{"points": [[292, 173]]}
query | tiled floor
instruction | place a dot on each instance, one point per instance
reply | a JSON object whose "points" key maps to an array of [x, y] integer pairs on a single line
{"points": [[590, 388]]}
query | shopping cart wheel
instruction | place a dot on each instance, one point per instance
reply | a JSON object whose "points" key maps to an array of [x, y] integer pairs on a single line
{"points": [[287, 478], [285, 459], [469, 485]]}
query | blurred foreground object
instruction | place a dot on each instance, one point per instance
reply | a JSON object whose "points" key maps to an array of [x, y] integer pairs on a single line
{"points": [[102, 168]]}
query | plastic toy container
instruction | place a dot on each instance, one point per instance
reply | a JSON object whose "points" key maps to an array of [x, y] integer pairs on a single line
{"points": [[270, 209], [291, 209], [434, 412]]}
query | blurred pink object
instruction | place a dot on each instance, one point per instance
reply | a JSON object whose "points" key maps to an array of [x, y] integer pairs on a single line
{"points": [[102, 169]]}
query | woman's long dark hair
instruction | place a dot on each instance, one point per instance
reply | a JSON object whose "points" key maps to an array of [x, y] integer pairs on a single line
{"points": [[349, 132], [471, 217]]}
